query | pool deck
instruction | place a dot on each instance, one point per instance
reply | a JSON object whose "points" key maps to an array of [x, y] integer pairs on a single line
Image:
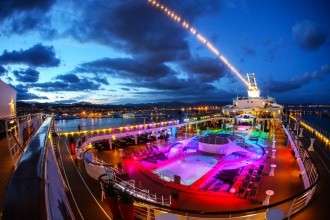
{"points": [[285, 183]]}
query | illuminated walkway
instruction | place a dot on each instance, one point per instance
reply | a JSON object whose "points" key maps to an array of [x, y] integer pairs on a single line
{"points": [[319, 206], [85, 192]]}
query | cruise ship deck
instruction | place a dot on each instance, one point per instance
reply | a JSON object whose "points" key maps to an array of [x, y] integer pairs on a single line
{"points": [[84, 192]]}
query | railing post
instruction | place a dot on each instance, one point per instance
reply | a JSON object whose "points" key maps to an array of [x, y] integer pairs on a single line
{"points": [[148, 213], [311, 147], [291, 207]]}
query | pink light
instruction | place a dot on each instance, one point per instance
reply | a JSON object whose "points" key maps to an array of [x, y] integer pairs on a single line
{"points": [[243, 128]]}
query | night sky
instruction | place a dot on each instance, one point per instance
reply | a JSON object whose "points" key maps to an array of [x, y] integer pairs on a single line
{"points": [[128, 51]]}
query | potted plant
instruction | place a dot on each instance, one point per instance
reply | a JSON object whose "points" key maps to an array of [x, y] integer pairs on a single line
{"points": [[175, 199], [111, 197], [126, 205], [72, 147]]}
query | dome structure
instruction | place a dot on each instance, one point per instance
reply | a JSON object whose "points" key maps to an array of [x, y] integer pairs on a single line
{"points": [[222, 144]]}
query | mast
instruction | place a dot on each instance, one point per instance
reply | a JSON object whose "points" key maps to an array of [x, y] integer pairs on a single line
{"points": [[253, 91]]}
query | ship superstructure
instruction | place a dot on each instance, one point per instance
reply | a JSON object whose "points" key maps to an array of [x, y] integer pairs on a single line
{"points": [[254, 104]]}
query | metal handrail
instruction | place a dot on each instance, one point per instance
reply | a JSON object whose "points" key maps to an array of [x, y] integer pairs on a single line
{"points": [[136, 193], [29, 188]]}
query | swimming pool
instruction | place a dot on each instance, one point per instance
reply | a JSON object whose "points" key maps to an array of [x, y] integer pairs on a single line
{"points": [[189, 168]]}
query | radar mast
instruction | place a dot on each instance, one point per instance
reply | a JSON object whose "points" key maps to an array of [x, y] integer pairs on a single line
{"points": [[253, 91]]}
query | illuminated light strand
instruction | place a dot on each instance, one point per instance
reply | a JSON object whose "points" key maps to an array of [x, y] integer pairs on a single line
{"points": [[199, 36]]}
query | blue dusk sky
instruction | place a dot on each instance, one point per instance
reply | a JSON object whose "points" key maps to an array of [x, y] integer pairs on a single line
{"points": [[130, 51]]}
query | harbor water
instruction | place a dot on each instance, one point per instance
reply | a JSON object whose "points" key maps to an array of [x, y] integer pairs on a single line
{"points": [[320, 121], [101, 123]]}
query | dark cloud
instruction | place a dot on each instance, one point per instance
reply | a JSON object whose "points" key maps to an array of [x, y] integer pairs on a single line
{"points": [[2, 70], [294, 83], [248, 51], [22, 16], [28, 75], [325, 68], [161, 79], [70, 78], [271, 54], [267, 42], [191, 9], [9, 8], [308, 35], [23, 93], [170, 82], [273, 48], [101, 80], [306, 96], [66, 101], [125, 67], [187, 94], [37, 56], [75, 99], [146, 34], [172, 88], [82, 85], [204, 69]]}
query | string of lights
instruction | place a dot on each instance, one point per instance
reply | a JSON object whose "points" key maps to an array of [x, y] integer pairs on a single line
{"points": [[177, 18]]}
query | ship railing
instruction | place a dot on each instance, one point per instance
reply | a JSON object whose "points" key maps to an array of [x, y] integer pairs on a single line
{"points": [[127, 128], [308, 171], [36, 189], [96, 168], [142, 127], [138, 193], [19, 131], [85, 137], [319, 132]]}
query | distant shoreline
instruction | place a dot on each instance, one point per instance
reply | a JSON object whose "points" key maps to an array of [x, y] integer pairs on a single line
{"points": [[75, 117]]}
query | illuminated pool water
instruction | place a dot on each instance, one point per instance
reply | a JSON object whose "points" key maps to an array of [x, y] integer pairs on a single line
{"points": [[189, 168]]}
